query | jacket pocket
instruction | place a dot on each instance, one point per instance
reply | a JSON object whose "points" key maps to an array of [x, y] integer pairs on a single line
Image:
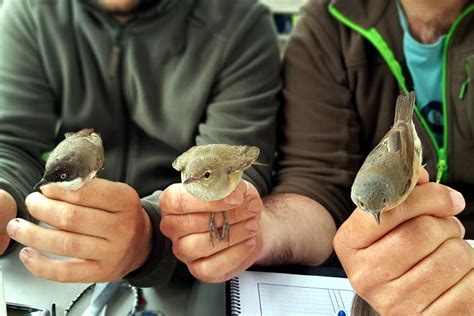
{"points": [[466, 88], [463, 95]]}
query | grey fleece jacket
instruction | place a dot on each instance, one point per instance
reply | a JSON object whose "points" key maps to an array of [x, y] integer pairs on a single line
{"points": [[183, 73]]}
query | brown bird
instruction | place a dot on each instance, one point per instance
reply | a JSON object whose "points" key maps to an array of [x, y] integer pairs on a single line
{"points": [[392, 168], [212, 172], [389, 174]]}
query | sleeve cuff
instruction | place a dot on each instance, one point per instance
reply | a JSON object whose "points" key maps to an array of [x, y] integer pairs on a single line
{"points": [[159, 267]]}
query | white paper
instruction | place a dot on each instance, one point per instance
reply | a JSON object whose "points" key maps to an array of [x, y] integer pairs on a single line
{"points": [[265, 293], [274, 294]]}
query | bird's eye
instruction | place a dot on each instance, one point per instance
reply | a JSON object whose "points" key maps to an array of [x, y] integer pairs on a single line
{"points": [[362, 204], [207, 175], [63, 176]]}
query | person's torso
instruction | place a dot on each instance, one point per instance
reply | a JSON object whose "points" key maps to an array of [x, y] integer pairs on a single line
{"points": [[375, 89], [143, 86]]}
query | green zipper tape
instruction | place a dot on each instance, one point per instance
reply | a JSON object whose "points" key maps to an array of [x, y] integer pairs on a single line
{"points": [[442, 154], [374, 37]]}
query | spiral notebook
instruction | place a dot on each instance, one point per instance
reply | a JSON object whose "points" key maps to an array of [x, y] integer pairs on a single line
{"points": [[274, 294]]}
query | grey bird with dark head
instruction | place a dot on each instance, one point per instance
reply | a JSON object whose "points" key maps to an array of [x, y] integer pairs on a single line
{"points": [[391, 170], [74, 161], [212, 172]]}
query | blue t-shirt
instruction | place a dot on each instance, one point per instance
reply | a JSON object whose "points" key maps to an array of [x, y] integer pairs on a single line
{"points": [[425, 63]]}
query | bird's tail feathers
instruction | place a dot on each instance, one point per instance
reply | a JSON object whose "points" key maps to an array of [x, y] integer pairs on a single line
{"points": [[404, 107]]}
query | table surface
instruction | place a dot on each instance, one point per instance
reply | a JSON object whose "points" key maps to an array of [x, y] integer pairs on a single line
{"points": [[180, 298], [186, 298]]}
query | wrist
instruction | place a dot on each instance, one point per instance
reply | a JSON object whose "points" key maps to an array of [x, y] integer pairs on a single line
{"points": [[271, 245], [145, 243]]}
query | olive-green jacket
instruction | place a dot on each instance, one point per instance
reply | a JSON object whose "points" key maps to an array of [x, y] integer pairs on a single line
{"points": [[185, 72]]}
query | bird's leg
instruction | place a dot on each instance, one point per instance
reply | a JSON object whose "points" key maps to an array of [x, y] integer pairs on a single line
{"points": [[225, 232], [213, 231]]}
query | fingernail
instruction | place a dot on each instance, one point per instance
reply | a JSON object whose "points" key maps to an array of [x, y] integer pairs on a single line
{"points": [[461, 226], [251, 225], [255, 206], [31, 198], [250, 242], [232, 199], [13, 226], [458, 200], [24, 254]]}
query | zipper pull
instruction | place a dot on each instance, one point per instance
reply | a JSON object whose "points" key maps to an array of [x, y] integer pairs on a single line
{"points": [[462, 91], [465, 83], [114, 60], [442, 165], [115, 54]]}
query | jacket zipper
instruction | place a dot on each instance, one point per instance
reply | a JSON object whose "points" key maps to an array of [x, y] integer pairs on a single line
{"points": [[373, 36], [115, 55], [443, 155], [115, 73]]}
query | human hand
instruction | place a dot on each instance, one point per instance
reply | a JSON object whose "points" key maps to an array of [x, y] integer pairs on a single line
{"points": [[8, 211], [415, 261], [185, 220], [102, 228]]}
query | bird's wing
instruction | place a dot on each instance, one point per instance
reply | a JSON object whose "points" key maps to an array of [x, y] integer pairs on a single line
{"points": [[244, 157], [400, 141]]}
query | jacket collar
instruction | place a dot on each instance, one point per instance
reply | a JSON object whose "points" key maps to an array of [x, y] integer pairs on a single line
{"points": [[379, 14], [161, 8], [168, 18], [366, 13]]}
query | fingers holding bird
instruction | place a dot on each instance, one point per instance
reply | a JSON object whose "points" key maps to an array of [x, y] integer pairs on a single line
{"points": [[196, 246], [56, 241], [183, 214], [226, 263], [176, 200], [409, 242], [426, 199], [178, 226], [71, 217], [186, 222], [69, 270]]}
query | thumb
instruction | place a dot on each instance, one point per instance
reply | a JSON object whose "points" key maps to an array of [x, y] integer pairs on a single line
{"points": [[7, 212], [7, 209]]}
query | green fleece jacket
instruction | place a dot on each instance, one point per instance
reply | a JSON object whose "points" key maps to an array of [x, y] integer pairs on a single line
{"points": [[183, 73]]}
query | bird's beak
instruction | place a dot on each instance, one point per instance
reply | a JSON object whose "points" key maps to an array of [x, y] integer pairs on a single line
{"points": [[377, 216], [189, 180], [40, 183]]}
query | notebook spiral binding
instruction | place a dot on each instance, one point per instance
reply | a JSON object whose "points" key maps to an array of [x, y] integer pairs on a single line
{"points": [[233, 297]]}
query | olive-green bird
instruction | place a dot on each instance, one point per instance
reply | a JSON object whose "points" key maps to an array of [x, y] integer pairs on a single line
{"points": [[211, 172]]}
